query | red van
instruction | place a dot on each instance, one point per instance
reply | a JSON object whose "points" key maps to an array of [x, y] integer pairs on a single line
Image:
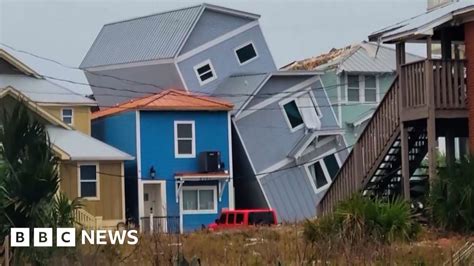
{"points": [[242, 218]]}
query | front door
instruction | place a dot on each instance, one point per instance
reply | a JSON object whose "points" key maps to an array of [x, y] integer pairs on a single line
{"points": [[153, 203]]}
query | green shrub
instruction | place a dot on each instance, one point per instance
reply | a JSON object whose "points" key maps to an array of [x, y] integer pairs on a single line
{"points": [[452, 197], [362, 219]]}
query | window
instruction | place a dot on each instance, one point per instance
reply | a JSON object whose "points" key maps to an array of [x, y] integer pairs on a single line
{"points": [[205, 72], [239, 219], [246, 53], [370, 89], [318, 175], [332, 165], [302, 110], [293, 114], [230, 218], [88, 181], [184, 140], [323, 171], [66, 115], [353, 91], [199, 200], [261, 218]]}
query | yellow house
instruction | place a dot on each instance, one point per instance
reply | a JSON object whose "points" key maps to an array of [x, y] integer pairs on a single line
{"points": [[89, 168]]}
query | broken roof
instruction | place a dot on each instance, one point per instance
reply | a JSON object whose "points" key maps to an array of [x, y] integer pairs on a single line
{"points": [[361, 57], [422, 25]]}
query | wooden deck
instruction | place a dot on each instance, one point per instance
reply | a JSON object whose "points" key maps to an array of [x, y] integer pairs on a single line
{"points": [[424, 87]]}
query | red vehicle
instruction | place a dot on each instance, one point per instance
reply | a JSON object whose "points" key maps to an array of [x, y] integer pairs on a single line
{"points": [[243, 218]]}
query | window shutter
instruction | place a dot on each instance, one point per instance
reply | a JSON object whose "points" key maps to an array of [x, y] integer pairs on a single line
{"points": [[308, 111]]}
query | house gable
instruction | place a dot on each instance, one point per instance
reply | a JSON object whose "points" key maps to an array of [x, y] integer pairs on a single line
{"points": [[211, 25], [9, 63]]}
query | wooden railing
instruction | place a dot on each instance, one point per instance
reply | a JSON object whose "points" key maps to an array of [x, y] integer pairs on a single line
{"points": [[369, 149], [87, 220], [446, 82]]}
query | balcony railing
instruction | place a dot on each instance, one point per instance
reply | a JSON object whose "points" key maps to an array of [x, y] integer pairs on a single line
{"points": [[444, 86]]}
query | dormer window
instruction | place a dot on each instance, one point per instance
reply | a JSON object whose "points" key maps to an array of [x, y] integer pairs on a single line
{"points": [[67, 116], [246, 53], [205, 72]]}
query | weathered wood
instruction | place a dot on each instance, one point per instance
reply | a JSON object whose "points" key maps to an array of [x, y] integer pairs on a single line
{"points": [[405, 162]]}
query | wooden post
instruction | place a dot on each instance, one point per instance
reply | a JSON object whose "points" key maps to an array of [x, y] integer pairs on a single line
{"points": [[446, 53], [405, 162], [431, 121], [450, 156]]}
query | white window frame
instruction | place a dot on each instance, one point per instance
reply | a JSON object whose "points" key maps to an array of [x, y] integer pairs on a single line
{"points": [[72, 115], [295, 98], [213, 188], [193, 143], [214, 74], [362, 88], [97, 176], [242, 46], [324, 168], [282, 107]]}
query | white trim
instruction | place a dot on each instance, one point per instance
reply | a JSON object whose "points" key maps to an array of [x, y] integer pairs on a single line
{"points": [[72, 115], [130, 65], [316, 104], [285, 115], [323, 166], [193, 140], [212, 70], [122, 173], [249, 60], [180, 74], [216, 41], [70, 104], [362, 88], [141, 210], [230, 11], [276, 97], [163, 195], [231, 164], [274, 167], [97, 180], [339, 102], [362, 120], [199, 188]]}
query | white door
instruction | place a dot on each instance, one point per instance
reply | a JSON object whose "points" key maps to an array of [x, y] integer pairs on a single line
{"points": [[152, 202]]}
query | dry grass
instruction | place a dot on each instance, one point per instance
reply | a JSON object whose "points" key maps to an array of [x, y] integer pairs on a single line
{"points": [[262, 246]]}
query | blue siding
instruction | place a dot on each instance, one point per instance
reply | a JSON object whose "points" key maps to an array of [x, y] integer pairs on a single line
{"points": [[119, 131], [157, 150], [225, 62]]}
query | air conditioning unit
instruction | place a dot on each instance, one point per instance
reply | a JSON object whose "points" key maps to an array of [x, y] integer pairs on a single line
{"points": [[210, 161]]}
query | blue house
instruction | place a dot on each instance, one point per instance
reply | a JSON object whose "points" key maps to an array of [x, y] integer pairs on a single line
{"points": [[182, 175]]}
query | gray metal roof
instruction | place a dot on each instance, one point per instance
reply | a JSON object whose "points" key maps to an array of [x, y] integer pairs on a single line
{"points": [[80, 146], [153, 37], [42, 90], [421, 25], [366, 58], [237, 89]]}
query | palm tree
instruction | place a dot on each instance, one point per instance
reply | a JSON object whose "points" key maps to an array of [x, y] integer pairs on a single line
{"points": [[29, 179]]}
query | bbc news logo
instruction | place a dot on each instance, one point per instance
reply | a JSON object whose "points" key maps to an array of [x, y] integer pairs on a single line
{"points": [[66, 237]]}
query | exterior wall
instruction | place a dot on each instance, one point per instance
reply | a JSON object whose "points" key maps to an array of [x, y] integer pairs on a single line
{"points": [[81, 116], [261, 129], [119, 131], [109, 206], [211, 25], [225, 62], [119, 85], [157, 150], [469, 42]]}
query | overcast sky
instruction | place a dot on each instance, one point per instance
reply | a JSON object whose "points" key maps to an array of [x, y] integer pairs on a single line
{"points": [[64, 29]]}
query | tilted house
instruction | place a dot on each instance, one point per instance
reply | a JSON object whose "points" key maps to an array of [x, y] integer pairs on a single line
{"points": [[88, 168], [428, 99], [203, 50], [287, 142], [193, 48], [356, 79], [172, 134]]}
